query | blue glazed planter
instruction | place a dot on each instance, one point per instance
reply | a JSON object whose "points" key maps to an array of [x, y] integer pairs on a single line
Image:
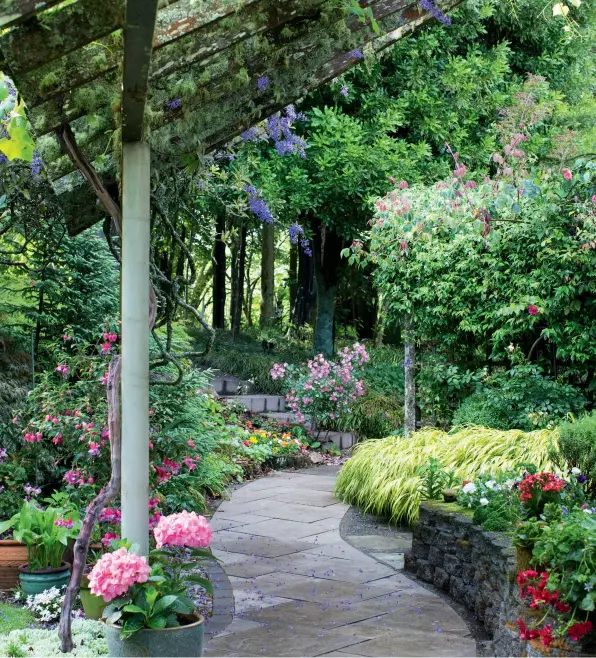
{"points": [[34, 582], [168, 642]]}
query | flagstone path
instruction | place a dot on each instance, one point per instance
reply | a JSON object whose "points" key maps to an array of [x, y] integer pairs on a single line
{"points": [[301, 590]]}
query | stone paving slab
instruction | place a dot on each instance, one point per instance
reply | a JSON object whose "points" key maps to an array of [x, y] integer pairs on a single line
{"points": [[381, 542], [301, 590]]}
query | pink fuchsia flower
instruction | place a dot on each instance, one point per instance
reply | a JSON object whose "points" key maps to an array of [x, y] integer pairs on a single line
{"points": [[104, 378], [66, 337], [106, 348], [153, 503], [190, 462], [460, 171], [403, 185], [533, 310], [31, 491], [57, 440], [115, 572], [33, 438], [110, 515], [594, 198], [183, 529], [567, 175], [106, 540], [191, 443], [93, 449], [62, 369], [154, 519], [64, 523], [391, 179]]}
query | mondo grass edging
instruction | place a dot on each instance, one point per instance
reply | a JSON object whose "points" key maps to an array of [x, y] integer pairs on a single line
{"points": [[382, 477]]}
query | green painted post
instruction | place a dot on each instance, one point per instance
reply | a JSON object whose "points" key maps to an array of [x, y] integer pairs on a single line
{"points": [[135, 344]]}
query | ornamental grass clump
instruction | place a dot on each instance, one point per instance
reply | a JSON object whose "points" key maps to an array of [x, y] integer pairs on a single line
{"points": [[383, 476]]}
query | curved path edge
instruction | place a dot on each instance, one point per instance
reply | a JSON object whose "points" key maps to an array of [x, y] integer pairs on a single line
{"points": [[300, 590]]}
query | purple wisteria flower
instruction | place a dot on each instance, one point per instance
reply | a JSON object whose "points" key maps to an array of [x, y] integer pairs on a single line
{"points": [[344, 91], [36, 165], [286, 141], [306, 248], [263, 83], [295, 231], [257, 204], [433, 10], [175, 104], [356, 54]]}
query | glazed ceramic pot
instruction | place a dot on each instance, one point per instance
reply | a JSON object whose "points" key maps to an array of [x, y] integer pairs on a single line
{"points": [[34, 582], [178, 641]]}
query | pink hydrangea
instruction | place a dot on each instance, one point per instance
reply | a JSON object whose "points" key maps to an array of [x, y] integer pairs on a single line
{"points": [[183, 529], [115, 572]]}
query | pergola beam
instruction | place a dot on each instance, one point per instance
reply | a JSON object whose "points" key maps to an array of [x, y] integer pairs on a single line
{"points": [[12, 12]]}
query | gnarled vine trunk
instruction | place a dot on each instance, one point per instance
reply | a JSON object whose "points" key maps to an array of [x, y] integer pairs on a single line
{"points": [[409, 372]]}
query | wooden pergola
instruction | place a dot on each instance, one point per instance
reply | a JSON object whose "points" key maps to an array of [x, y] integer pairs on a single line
{"points": [[105, 82]]}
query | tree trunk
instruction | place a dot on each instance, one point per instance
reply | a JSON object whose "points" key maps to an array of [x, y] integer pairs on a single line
{"points": [[219, 274], [238, 289], [306, 291], [380, 328], [409, 369], [327, 256], [267, 275], [293, 280]]}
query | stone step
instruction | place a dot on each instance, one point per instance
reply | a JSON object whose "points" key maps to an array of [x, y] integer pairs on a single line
{"points": [[288, 417], [260, 403], [225, 385], [342, 440]]}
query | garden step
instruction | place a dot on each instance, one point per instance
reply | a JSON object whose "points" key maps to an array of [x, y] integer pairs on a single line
{"points": [[342, 440], [288, 417], [229, 385], [260, 403]]}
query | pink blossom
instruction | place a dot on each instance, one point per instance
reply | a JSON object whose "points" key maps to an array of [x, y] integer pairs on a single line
{"points": [[66, 337], [594, 198], [115, 572], [93, 449], [190, 462], [62, 369], [106, 540], [567, 175], [64, 523], [183, 529], [278, 370], [533, 310], [33, 438], [403, 185], [110, 515], [153, 503], [191, 443], [391, 179], [106, 348], [154, 519], [104, 379], [57, 440], [460, 171]]}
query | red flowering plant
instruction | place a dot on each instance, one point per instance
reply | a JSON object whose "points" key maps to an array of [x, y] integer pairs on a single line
{"points": [[324, 390], [538, 489]]}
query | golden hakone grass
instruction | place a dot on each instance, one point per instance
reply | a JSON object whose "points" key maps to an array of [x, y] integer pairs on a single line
{"points": [[381, 477]]}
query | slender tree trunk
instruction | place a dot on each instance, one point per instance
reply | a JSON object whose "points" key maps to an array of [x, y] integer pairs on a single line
{"points": [[293, 280], [267, 275], [409, 369], [219, 274], [380, 328], [238, 290], [302, 310], [327, 256]]}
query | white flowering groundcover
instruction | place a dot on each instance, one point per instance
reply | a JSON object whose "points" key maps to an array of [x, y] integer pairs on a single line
{"points": [[88, 636]]}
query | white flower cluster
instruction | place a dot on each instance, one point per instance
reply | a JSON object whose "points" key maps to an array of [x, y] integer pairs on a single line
{"points": [[87, 634], [45, 606]]}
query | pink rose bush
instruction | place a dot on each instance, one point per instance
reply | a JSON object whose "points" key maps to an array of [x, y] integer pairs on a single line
{"points": [[183, 529], [115, 572], [322, 389]]}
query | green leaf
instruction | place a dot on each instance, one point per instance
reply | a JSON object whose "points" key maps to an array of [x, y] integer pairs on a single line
{"points": [[133, 608], [201, 552], [203, 582], [158, 622], [164, 603]]}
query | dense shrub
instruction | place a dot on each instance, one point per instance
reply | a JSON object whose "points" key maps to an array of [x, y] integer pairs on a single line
{"points": [[383, 475], [577, 447], [520, 399]]}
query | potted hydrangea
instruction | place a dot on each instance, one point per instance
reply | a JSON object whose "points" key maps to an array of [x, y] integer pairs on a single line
{"points": [[149, 611]]}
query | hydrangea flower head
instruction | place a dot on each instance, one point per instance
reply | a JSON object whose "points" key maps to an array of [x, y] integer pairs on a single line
{"points": [[183, 529], [115, 572]]}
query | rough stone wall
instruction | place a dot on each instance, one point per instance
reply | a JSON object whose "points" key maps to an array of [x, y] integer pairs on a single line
{"points": [[477, 569]]}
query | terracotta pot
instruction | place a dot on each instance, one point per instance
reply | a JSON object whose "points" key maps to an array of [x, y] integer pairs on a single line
{"points": [[34, 582], [12, 555], [178, 641]]}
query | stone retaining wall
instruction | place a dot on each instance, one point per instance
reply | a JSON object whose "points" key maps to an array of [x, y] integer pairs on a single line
{"points": [[477, 569]]}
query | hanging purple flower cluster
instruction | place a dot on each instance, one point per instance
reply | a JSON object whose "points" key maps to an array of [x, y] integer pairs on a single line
{"points": [[174, 105], [356, 54], [263, 83], [344, 91], [279, 128], [433, 10], [257, 204], [36, 165], [296, 232]]}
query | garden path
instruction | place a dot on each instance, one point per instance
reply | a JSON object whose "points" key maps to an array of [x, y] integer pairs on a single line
{"points": [[301, 590]]}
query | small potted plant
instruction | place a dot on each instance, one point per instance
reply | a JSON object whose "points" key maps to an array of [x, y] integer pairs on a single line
{"points": [[150, 612], [45, 533], [93, 605]]}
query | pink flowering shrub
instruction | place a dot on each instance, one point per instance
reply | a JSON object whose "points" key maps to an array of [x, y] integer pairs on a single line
{"points": [[183, 529], [115, 572], [324, 390]]}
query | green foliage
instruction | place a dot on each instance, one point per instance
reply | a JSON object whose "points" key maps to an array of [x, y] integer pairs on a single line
{"points": [[14, 617], [577, 447], [568, 550], [520, 399], [382, 476], [88, 637], [374, 415], [433, 479]]}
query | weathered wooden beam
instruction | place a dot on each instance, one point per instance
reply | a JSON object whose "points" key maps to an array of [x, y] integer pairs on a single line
{"points": [[138, 48], [13, 12], [43, 38]]}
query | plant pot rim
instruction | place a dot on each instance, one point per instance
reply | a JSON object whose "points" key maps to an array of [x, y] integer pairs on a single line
{"points": [[24, 568], [200, 620], [10, 542]]}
